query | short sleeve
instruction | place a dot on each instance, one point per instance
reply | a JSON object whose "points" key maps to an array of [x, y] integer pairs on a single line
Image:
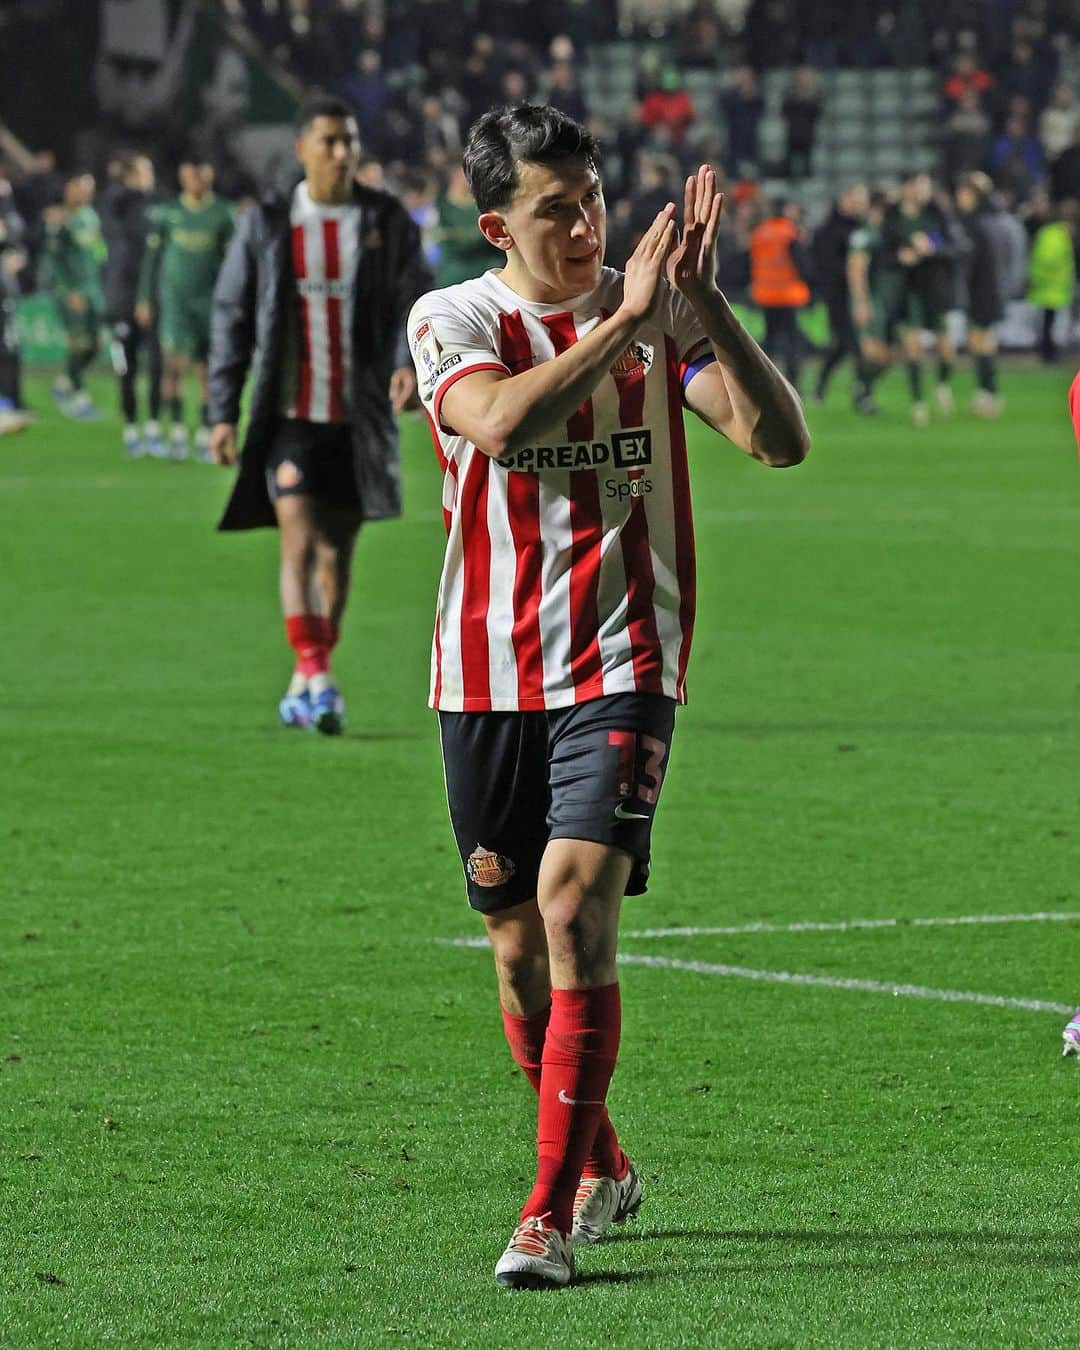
{"points": [[693, 350], [447, 342]]}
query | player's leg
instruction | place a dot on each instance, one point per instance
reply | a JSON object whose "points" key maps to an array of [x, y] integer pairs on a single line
{"points": [[81, 325], [911, 340], [202, 431], [150, 339], [178, 363], [1047, 344], [608, 760], [839, 342], [791, 341], [123, 349], [336, 532], [982, 343], [936, 311], [305, 629], [13, 416], [199, 317]]}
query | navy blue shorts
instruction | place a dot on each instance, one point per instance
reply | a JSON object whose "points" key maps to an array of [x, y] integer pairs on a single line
{"points": [[313, 459], [514, 780]]}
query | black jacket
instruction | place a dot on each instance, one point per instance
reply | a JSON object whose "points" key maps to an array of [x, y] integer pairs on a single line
{"points": [[252, 301], [123, 225], [831, 240]]}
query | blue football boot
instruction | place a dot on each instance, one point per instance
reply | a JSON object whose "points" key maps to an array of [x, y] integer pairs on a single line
{"points": [[328, 712], [295, 710]]}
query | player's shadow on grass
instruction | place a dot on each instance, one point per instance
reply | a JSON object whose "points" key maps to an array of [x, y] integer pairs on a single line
{"points": [[371, 736], [947, 1246], [907, 1238]]}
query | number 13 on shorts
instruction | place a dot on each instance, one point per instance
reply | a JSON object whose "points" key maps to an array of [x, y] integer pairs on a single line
{"points": [[640, 767]]}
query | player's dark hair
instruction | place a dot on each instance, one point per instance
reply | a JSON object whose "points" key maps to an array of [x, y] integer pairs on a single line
{"points": [[500, 140], [318, 104]]}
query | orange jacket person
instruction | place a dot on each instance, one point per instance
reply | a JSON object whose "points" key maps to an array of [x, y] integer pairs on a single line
{"points": [[777, 285]]}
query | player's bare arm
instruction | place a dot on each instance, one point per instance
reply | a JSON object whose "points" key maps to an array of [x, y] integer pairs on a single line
{"points": [[858, 278], [500, 413], [743, 395]]}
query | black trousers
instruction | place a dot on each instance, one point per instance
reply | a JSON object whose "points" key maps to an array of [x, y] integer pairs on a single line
{"points": [[10, 362], [130, 341], [783, 341]]}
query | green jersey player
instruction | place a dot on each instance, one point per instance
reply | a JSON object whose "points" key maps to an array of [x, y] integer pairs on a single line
{"points": [[71, 270], [185, 245], [869, 312]]}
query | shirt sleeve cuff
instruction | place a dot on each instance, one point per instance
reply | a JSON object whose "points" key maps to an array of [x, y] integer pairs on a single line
{"points": [[451, 380]]}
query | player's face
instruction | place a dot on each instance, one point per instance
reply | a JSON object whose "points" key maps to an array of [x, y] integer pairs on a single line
{"points": [[555, 229], [329, 150], [192, 183]]}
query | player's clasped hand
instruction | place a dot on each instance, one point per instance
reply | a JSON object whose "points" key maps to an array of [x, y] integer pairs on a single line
{"points": [[645, 266], [691, 265]]}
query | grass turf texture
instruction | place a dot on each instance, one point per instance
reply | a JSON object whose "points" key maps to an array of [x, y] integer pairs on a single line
{"points": [[245, 1099]]}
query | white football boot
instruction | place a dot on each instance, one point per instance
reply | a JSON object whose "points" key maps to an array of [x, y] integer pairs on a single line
{"points": [[536, 1257], [944, 397], [602, 1201], [1071, 1036]]}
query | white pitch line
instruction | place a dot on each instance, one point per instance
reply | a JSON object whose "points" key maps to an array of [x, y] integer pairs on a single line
{"points": [[831, 982], [846, 925]]}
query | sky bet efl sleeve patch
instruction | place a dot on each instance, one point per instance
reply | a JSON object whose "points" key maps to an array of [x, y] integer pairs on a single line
{"points": [[445, 345]]}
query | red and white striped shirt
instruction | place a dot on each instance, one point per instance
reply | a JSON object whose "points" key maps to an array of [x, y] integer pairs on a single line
{"points": [[325, 241], [569, 568]]}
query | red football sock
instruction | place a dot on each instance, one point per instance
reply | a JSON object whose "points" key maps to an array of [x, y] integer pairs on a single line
{"points": [[330, 631], [307, 638], [525, 1036], [580, 1049]]}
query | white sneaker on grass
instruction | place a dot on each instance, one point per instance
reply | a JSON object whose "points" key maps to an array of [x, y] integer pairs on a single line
{"points": [[154, 441], [178, 443], [602, 1201], [536, 1257], [1071, 1036], [920, 414], [944, 396]]}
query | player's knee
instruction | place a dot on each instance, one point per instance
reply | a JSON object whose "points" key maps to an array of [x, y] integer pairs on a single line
{"points": [[298, 545], [574, 916]]}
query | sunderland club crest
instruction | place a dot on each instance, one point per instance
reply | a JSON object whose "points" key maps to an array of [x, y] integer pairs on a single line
{"points": [[634, 362], [485, 868]]}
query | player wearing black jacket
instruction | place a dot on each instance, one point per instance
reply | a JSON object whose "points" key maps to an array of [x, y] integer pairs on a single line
{"points": [[122, 209], [832, 242], [984, 292]]}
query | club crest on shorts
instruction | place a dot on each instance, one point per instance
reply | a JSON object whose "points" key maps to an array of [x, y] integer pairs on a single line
{"points": [[485, 868], [635, 361], [287, 474]]}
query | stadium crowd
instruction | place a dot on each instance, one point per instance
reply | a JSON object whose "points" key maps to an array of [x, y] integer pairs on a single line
{"points": [[1003, 210]]}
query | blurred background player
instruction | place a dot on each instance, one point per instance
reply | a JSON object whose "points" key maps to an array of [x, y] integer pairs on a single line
{"points": [[321, 453], [831, 248], [463, 251], [13, 260], [123, 208], [869, 312], [71, 269], [778, 271], [983, 288], [185, 247], [919, 248]]}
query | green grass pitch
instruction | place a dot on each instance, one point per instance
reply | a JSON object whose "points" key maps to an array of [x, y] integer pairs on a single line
{"points": [[247, 1097]]}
